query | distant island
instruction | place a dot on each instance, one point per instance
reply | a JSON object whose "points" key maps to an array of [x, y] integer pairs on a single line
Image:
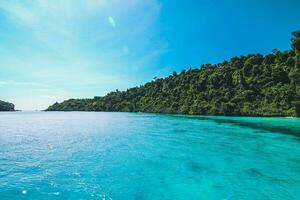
{"points": [[251, 85], [6, 106]]}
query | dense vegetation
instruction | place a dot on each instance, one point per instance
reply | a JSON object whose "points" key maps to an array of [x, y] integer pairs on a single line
{"points": [[5, 106], [254, 85]]}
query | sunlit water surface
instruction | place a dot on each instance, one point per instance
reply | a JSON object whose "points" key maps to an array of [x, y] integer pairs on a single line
{"points": [[127, 156]]}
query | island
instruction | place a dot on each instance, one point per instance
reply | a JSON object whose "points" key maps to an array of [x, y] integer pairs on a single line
{"points": [[251, 85], [6, 106]]}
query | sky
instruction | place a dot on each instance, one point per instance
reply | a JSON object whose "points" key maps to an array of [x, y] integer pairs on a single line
{"points": [[51, 51]]}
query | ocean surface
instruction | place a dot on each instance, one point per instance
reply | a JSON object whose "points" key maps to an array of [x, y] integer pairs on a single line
{"points": [[133, 156]]}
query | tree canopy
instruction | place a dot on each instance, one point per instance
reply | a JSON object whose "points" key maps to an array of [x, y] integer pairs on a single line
{"points": [[5, 106], [251, 85]]}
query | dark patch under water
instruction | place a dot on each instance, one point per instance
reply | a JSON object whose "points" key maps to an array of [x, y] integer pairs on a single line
{"points": [[249, 124]]}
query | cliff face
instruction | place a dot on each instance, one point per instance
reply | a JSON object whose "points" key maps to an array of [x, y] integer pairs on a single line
{"points": [[5, 106], [256, 85]]}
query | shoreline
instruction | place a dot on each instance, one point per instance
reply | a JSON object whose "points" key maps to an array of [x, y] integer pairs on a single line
{"points": [[174, 114], [262, 116]]}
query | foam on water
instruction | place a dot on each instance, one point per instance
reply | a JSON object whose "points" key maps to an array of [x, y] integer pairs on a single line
{"points": [[147, 156]]}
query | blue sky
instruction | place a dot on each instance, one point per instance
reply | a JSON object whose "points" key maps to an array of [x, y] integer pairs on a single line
{"points": [[54, 50]]}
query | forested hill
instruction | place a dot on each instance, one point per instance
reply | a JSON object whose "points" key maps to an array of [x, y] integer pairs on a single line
{"points": [[254, 85], [5, 106]]}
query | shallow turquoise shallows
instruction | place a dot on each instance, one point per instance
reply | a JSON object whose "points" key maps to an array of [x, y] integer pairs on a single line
{"points": [[128, 156]]}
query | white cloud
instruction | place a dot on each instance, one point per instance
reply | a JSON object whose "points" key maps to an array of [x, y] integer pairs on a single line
{"points": [[69, 44], [112, 21], [20, 83], [21, 14]]}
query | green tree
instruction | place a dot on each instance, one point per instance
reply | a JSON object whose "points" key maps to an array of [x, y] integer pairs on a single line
{"points": [[247, 85]]}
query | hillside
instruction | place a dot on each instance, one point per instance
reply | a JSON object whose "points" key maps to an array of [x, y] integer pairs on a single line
{"points": [[5, 106], [254, 85]]}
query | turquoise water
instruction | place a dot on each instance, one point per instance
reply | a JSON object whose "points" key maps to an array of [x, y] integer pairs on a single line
{"points": [[127, 156]]}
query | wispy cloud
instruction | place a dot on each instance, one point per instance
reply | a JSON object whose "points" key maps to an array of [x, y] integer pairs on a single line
{"points": [[17, 83], [73, 44]]}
